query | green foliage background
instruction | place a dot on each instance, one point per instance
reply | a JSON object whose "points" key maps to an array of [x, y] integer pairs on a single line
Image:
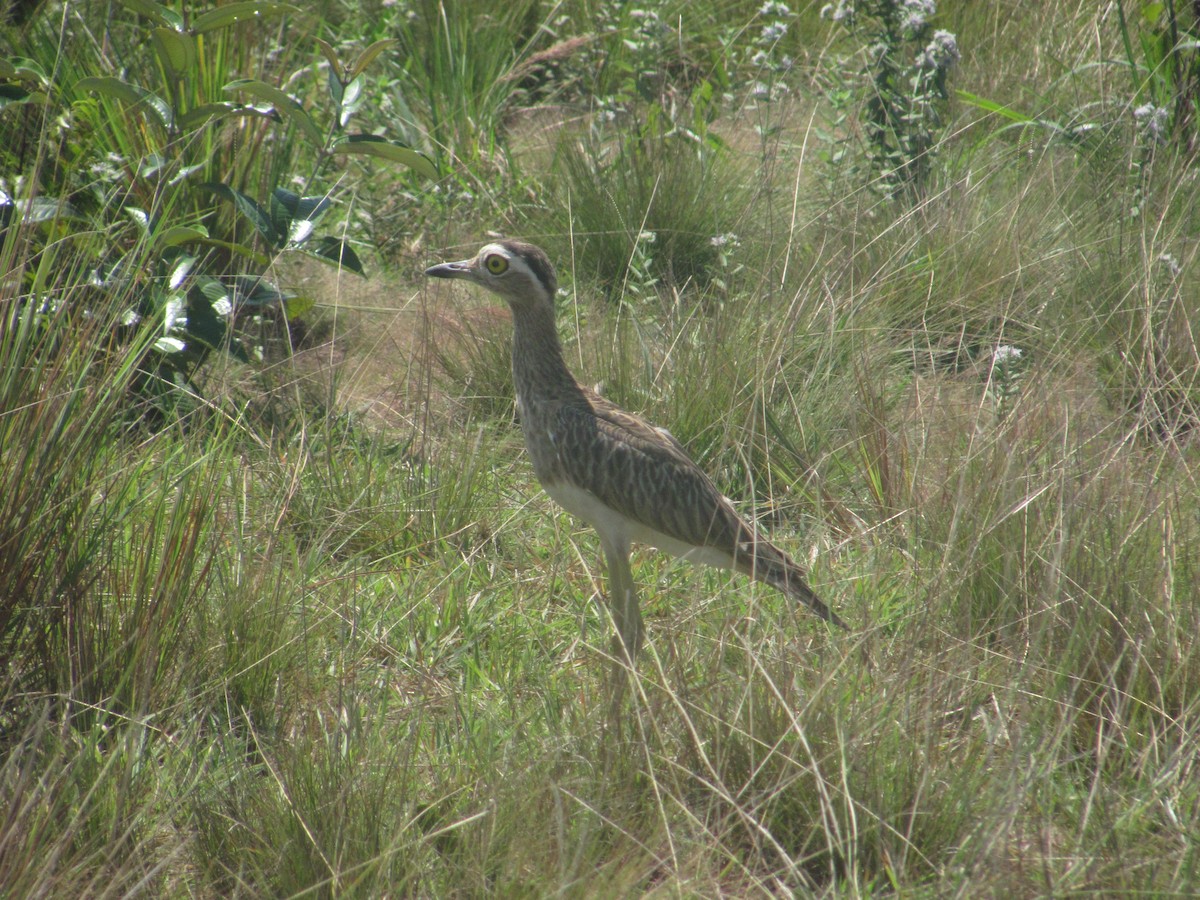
{"points": [[283, 611]]}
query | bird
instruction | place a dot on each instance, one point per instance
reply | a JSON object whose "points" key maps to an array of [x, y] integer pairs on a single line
{"points": [[631, 481]]}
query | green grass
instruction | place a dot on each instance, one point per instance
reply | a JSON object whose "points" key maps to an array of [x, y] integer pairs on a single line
{"points": [[327, 637]]}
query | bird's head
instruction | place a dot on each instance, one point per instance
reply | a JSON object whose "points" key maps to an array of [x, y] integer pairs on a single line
{"points": [[519, 272]]}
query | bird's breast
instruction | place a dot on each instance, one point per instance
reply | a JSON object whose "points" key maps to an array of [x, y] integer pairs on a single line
{"points": [[539, 441]]}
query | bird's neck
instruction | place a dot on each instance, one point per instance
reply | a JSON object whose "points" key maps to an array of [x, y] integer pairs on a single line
{"points": [[539, 370]]}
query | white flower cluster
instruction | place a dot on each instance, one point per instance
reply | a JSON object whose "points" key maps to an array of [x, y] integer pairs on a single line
{"points": [[649, 24], [1153, 122], [941, 52], [917, 13], [764, 57], [774, 8], [1005, 354], [842, 11], [110, 169], [774, 32], [1171, 264]]}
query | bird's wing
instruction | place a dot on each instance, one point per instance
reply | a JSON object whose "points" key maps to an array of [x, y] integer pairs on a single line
{"points": [[644, 473]]}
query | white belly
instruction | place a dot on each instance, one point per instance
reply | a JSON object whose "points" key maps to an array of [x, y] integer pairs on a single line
{"points": [[619, 531]]}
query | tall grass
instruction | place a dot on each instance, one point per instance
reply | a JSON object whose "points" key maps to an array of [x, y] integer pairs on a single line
{"points": [[318, 652]]}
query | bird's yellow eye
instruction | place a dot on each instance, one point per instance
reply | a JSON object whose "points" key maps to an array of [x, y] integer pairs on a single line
{"points": [[496, 264]]}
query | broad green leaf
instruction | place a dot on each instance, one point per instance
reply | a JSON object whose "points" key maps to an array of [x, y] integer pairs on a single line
{"points": [[282, 204], [230, 13], [287, 106], [169, 345], [208, 313], [140, 217], [157, 13], [994, 107], [294, 307], [14, 94], [127, 93], [298, 207], [217, 295], [175, 311], [112, 87], [201, 114], [336, 89], [350, 101], [256, 292], [25, 69], [249, 207], [184, 173], [300, 231], [338, 251], [392, 151], [150, 165], [183, 267], [330, 54], [261, 260], [175, 50], [368, 56], [205, 326], [181, 234], [44, 209]]}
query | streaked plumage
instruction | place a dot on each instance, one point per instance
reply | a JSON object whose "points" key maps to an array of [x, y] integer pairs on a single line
{"points": [[631, 481]]}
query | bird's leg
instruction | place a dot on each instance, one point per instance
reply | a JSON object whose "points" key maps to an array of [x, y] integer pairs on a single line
{"points": [[623, 603], [623, 606]]}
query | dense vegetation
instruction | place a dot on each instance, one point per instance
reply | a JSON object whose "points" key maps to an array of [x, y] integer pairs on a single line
{"points": [[282, 609]]}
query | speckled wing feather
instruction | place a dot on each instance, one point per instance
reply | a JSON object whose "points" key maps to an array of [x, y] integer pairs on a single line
{"points": [[646, 476]]}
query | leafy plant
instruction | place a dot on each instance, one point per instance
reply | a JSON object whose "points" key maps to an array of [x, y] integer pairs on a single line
{"points": [[901, 88], [1166, 77], [152, 140]]}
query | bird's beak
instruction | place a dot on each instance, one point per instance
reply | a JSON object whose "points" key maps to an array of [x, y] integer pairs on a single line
{"points": [[460, 269]]}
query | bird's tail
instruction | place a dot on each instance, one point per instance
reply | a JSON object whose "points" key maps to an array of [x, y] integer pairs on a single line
{"points": [[771, 565]]}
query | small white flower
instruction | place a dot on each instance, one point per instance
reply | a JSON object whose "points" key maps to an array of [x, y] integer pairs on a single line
{"points": [[1006, 354], [647, 237], [760, 91], [1153, 122], [649, 23], [728, 239], [761, 59], [774, 8], [843, 11], [941, 52], [1170, 263], [917, 13], [773, 32]]}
